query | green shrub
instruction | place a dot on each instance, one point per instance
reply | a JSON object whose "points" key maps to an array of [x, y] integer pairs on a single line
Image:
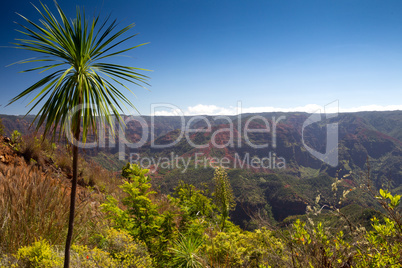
{"points": [[237, 248], [124, 249], [84, 257], [194, 202], [315, 246], [119, 251], [141, 216], [39, 255], [382, 247], [16, 139], [312, 245]]}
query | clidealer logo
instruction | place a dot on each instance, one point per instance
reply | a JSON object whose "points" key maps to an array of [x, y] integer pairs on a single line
{"points": [[239, 134], [330, 156]]}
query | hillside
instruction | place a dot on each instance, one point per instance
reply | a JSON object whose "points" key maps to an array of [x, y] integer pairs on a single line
{"points": [[290, 177], [124, 221]]}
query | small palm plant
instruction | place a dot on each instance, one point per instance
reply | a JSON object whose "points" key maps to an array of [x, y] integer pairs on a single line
{"points": [[186, 252], [74, 51]]}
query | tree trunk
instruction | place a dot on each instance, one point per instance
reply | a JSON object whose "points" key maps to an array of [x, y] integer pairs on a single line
{"points": [[73, 195]]}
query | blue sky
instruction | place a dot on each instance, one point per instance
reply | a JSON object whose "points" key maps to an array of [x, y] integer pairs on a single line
{"points": [[207, 56]]}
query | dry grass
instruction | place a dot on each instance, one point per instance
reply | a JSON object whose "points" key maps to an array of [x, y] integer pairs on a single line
{"points": [[101, 179], [34, 206], [31, 150], [64, 162]]}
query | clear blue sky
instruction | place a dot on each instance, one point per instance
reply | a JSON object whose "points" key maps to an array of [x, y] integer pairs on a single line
{"points": [[270, 53]]}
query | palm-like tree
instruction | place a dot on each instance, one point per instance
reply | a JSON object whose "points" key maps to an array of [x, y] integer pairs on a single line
{"points": [[74, 52]]}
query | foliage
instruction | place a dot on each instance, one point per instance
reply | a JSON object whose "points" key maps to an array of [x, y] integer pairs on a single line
{"points": [[186, 252], [193, 202], [83, 256], [124, 249], [74, 50], [16, 137], [238, 248], [314, 246], [141, 218], [39, 255], [223, 194], [16, 140], [119, 251], [390, 203], [383, 246]]}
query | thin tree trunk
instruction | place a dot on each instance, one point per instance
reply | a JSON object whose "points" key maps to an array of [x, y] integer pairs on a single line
{"points": [[73, 195]]}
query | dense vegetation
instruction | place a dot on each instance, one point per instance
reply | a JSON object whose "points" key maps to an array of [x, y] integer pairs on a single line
{"points": [[373, 135], [135, 225]]}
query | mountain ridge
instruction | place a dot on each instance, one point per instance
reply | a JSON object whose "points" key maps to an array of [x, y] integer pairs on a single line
{"points": [[367, 140]]}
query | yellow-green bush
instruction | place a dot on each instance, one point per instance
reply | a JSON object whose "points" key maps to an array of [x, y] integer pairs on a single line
{"points": [[40, 254], [382, 247], [84, 257], [124, 255], [141, 215], [245, 249], [125, 250], [119, 251], [312, 245], [7, 261]]}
